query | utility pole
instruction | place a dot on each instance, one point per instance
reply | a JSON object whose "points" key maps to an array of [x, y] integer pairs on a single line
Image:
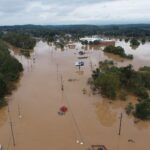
{"points": [[91, 65], [62, 86], [79, 67], [11, 126], [57, 71], [19, 112], [120, 125], [13, 137]]}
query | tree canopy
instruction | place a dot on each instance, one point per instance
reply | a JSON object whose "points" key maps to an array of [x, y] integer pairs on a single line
{"points": [[116, 82], [10, 70], [117, 51]]}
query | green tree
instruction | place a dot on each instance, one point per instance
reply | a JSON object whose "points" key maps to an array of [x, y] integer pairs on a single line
{"points": [[10, 70], [3, 87], [134, 42], [143, 110], [109, 84]]}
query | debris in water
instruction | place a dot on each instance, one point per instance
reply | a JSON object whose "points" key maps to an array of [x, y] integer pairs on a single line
{"points": [[1, 147], [98, 147], [60, 113], [131, 141], [20, 116], [72, 80], [136, 121], [84, 91], [81, 143], [77, 141]]}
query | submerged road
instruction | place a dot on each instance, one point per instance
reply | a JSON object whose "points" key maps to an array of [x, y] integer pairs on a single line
{"points": [[33, 108]]}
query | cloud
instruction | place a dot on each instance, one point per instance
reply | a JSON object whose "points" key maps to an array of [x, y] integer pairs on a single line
{"points": [[74, 11]]}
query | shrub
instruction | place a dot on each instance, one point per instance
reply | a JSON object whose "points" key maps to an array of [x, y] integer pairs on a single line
{"points": [[143, 110]]}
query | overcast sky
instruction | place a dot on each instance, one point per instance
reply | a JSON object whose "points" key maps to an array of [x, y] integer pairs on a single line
{"points": [[46, 12]]}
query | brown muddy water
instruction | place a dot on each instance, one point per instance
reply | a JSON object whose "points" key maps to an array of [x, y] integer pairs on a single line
{"points": [[33, 107]]}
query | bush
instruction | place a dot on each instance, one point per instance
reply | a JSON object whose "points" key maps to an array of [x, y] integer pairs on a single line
{"points": [[129, 108], [123, 95], [143, 110], [141, 93]]}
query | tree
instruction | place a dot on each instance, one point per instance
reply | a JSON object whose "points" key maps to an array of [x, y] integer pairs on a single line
{"points": [[19, 39], [109, 84], [126, 40], [10, 70], [117, 51], [143, 110], [134, 42], [3, 87], [143, 41]]}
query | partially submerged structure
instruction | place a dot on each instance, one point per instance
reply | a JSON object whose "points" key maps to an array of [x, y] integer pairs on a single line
{"points": [[98, 147], [97, 41]]}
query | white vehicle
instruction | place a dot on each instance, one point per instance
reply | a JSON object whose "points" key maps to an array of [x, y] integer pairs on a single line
{"points": [[80, 63], [1, 147]]}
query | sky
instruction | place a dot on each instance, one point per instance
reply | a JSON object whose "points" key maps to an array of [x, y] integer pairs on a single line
{"points": [[58, 12]]}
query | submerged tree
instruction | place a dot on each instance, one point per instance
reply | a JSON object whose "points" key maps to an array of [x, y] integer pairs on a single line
{"points": [[134, 42]]}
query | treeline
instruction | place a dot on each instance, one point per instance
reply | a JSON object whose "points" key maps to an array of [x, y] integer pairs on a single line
{"points": [[117, 82], [117, 51], [19, 39], [10, 70], [49, 32]]}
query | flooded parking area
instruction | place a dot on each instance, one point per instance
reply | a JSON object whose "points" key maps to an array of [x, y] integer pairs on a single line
{"points": [[31, 121]]}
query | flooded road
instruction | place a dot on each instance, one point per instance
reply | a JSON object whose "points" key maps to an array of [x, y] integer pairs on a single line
{"points": [[33, 107]]}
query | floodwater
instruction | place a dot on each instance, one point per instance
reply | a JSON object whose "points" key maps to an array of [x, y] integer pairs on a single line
{"points": [[33, 107]]}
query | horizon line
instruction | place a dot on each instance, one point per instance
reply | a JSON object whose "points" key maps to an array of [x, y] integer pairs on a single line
{"points": [[85, 24]]}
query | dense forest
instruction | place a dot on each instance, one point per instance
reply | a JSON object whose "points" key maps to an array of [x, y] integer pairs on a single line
{"points": [[118, 82], [10, 70]]}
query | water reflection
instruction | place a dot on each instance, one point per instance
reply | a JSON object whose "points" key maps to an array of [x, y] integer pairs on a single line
{"points": [[142, 125], [115, 57], [106, 116], [134, 47], [80, 72], [3, 116]]}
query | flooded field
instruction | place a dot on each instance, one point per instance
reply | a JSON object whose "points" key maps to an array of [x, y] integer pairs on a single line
{"points": [[32, 113]]}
